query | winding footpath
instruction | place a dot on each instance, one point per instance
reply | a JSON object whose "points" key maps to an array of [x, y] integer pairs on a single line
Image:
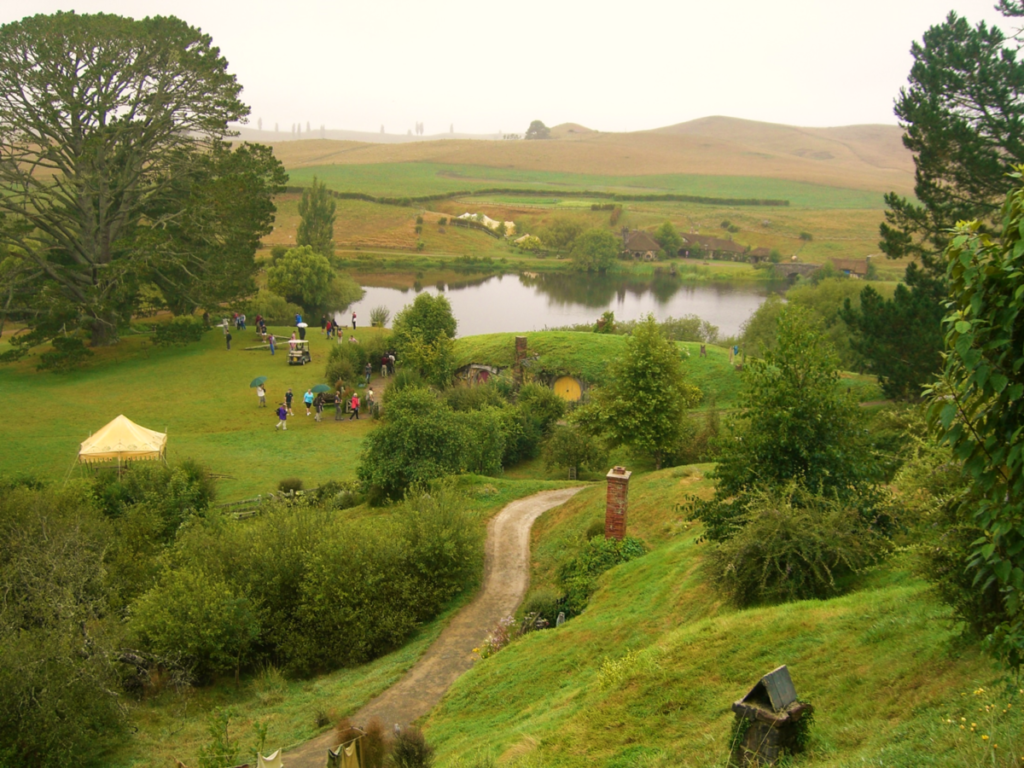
{"points": [[506, 577]]}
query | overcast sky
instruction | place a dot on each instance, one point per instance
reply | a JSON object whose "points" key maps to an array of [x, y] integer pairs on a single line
{"points": [[622, 66]]}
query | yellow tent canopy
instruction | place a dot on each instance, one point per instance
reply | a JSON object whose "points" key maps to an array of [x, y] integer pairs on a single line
{"points": [[123, 440]]}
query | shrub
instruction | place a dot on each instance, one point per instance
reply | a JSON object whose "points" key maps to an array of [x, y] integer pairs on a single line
{"points": [[68, 353], [542, 404], [443, 221], [376, 744], [379, 316], [276, 310], [277, 252], [578, 576], [410, 749], [59, 702], [179, 332], [420, 245], [419, 219], [792, 545], [290, 485], [806, 237], [198, 619], [545, 603]]}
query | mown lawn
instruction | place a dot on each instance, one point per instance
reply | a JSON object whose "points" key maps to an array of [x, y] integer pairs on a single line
{"points": [[199, 395]]}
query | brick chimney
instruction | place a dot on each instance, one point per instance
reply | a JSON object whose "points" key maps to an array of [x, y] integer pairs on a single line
{"points": [[618, 501]]}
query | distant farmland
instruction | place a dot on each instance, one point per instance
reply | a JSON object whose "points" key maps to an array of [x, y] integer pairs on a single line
{"points": [[412, 179]]}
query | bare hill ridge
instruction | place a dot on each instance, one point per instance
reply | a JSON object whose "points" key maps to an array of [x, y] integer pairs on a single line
{"points": [[868, 157]]}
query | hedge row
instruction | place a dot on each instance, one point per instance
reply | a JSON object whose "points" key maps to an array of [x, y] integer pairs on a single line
{"points": [[666, 197]]}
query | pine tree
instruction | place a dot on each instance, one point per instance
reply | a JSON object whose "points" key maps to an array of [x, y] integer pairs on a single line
{"points": [[317, 226]]}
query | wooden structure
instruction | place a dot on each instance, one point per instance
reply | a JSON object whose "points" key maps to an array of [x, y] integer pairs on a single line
{"points": [[568, 388], [771, 711], [852, 267], [710, 247]]}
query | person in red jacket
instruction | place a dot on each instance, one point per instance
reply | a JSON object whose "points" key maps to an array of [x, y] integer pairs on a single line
{"points": [[355, 408]]}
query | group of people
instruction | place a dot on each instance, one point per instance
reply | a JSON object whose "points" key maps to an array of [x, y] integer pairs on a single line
{"points": [[387, 364], [329, 328], [315, 405]]}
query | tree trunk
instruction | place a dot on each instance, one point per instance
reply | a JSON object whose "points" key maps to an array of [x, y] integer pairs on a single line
{"points": [[104, 332]]}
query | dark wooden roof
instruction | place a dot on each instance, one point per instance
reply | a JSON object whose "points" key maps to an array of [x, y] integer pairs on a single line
{"points": [[710, 243], [855, 266]]}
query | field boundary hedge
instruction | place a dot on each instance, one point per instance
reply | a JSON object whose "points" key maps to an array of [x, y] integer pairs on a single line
{"points": [[659, 198]]}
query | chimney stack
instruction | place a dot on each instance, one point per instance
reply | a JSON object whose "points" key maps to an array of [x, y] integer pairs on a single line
{"points": [[618, 501]]}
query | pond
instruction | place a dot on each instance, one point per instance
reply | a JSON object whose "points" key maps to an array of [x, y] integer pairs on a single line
{"points": [[508, 303]]}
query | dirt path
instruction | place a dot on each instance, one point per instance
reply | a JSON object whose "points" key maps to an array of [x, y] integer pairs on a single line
{"points": [[506, 577]]}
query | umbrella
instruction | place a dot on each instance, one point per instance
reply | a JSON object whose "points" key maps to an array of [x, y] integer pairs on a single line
{"points": [[257, 381], [321, 388], [302, 325]]}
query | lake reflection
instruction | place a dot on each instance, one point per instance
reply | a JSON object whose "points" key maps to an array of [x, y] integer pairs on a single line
{"points": [[509, 303]]}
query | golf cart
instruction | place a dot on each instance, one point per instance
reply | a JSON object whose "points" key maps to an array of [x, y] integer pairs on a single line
{"points": [[298, 352]]}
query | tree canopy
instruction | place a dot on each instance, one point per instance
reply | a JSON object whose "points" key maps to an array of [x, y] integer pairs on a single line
{"points": [[302, 276], [316, 229], [594, 250], [538, 130], [645, 404], [115, 174], [961, 112], [668, 238], [978, 407]]}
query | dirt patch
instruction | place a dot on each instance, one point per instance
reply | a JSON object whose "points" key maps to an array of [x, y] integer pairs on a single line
{"points": [[506, 578]]}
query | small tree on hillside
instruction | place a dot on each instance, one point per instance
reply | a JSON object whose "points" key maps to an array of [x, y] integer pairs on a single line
{"points": [[795, 425], [317, 226], [644, 406], [571, 448], [423, 333], [538, 130]]}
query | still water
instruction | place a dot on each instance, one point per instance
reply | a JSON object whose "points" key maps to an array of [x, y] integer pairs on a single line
{"points": [[508, 303]]}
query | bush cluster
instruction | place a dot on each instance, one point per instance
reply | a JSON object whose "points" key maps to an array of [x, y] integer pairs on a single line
{"points": [[427, 435], [179, 332], [305, 588], [577, 577]]}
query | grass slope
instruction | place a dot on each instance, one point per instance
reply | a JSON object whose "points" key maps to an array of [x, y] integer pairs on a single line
{"points": [[646, 676], [587, 356]]}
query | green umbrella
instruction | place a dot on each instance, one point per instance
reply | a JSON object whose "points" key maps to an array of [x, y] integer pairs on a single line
{"points": [[321, 388], [257, 381]]}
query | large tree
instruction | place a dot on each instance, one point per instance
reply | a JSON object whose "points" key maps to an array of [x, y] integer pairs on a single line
{"points": [[317, 226], [111, 159], [594, 250], [644, 405], [962, 112]]}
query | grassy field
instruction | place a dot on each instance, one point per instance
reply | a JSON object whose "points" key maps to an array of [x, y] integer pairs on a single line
{"points": [[200, 395], [412, 179], [646, 675]]}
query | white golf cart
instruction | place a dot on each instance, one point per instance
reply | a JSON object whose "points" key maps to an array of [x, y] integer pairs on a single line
{"points": [[298, 352]]}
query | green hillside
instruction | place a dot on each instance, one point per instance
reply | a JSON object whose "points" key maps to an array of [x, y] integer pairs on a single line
{"points": [[646, 675]]}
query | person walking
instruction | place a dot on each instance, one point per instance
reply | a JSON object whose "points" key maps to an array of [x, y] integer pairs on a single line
{"points": [[384, 366], [355, 407], [330, 328], [369, 372], [288, 400], [282, 417], [308, 400], [353, 321], [337, 405], [369, 401], [318, 406], [272, 345], [703, 350], [323, 323], [227, 338], [261, 393]]}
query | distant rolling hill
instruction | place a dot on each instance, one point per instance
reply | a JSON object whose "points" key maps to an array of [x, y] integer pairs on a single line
{"points": [[864, 157]]}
